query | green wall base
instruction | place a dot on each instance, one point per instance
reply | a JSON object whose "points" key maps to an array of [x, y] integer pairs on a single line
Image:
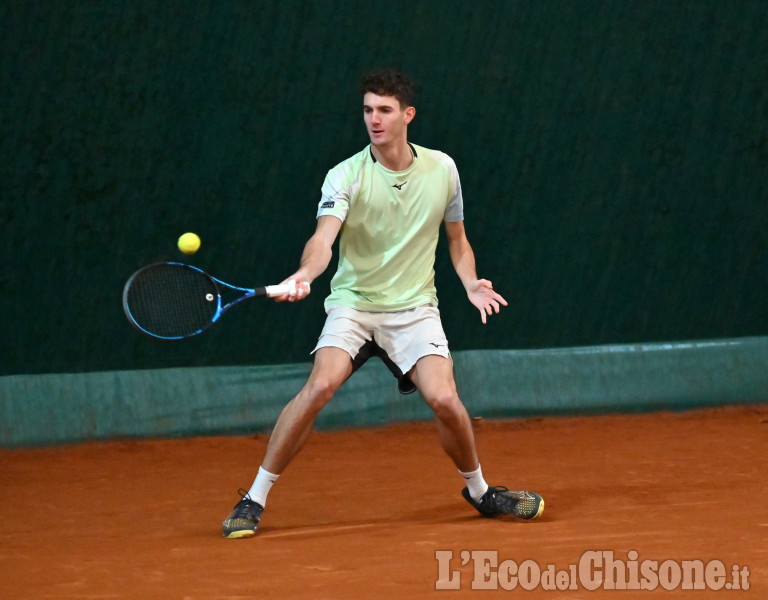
{"points": [[64, 408]]}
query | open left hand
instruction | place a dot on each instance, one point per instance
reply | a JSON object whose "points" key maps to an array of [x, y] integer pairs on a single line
{"points": [[481, 294]]}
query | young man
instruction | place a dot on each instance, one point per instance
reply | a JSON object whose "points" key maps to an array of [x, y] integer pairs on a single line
{"points": [[387, 202]]}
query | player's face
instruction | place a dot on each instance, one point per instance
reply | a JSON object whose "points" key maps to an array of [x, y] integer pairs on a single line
{"points": [[385, 120]]}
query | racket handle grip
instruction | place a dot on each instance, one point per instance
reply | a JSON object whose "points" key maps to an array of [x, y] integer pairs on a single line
{"points": [[282, 289], [278, 290]]}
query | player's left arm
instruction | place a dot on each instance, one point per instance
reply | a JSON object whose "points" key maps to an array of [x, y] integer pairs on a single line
{"points": [[479, 291]]}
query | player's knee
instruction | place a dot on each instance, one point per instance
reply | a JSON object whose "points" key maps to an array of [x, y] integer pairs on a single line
{"points": [[445, 403], [319, 391]]}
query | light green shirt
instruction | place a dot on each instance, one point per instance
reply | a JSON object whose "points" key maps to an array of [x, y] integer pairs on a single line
{"points": [[390, 228]]}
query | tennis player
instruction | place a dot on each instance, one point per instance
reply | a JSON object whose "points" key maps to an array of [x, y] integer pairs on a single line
{"points": [[386, 204]]}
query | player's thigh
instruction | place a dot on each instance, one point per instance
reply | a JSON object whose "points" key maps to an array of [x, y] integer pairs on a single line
{"points": [[332, 367], [433, 376]]}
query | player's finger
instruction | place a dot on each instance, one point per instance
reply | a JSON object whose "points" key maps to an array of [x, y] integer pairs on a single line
{"points": [[291, 290], [299, 290], [287, 297]]}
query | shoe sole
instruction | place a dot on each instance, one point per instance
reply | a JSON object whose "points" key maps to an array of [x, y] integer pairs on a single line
{"points": [[236, 535]]}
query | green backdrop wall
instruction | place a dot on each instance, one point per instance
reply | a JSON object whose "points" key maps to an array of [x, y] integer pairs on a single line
{"points": [[613, 155], [60, 408]]}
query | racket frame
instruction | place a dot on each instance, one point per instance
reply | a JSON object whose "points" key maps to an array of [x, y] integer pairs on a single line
{"points": [[269, 291]]}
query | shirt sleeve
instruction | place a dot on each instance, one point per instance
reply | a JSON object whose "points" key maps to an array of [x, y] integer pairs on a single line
{"points": [[336, 193], [454, 211]]}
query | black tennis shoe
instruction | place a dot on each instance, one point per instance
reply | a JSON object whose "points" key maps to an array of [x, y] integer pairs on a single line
{"points": [[244, 519], [501, 501]]}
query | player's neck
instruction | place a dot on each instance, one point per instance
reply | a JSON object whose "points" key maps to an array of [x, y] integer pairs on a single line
{"points": [[395, 157]]}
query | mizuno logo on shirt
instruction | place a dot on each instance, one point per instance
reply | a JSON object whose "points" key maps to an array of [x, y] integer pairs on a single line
{"points": [[328, 204], [399, 186]]}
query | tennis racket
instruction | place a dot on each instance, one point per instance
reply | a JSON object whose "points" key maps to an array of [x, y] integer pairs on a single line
{"points": [[173, 301]]}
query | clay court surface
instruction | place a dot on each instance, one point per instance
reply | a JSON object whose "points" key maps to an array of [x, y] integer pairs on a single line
{"points": [[362, 513]]}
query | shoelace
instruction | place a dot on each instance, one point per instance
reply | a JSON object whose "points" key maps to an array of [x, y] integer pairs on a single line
{"points": [[246, 507]]}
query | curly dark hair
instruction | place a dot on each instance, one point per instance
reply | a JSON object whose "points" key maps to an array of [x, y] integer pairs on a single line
{"points": [[390, 82]]}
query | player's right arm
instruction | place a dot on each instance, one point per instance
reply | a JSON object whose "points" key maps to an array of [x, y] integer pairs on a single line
{"points": [[316, 257]]}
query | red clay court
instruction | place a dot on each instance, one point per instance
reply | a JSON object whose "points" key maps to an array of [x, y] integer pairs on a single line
{"points": [[362, 513]]}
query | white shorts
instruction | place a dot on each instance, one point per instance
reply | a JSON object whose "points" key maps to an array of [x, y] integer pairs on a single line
{"points": [[399, 338]]}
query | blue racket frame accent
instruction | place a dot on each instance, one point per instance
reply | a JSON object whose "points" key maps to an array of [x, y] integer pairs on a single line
{"points": [[150, 282]]}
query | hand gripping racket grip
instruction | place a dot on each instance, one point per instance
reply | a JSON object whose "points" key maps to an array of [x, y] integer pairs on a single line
{"points": [[282, 289]]}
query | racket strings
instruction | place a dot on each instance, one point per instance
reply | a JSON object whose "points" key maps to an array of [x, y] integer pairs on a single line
{"points": [[172, 301]]}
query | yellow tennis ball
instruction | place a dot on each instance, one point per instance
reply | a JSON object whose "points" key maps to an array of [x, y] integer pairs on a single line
{"points": [[189, 243]]}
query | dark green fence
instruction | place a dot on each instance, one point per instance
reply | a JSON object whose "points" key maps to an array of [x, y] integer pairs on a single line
{"points": [[613, 154]]}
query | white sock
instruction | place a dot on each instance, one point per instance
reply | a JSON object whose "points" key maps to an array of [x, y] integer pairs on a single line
{"points": [[475, 483], [261, 486]]}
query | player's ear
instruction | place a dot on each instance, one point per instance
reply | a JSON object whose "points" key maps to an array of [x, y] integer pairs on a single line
{"points": [[410, 113]]}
